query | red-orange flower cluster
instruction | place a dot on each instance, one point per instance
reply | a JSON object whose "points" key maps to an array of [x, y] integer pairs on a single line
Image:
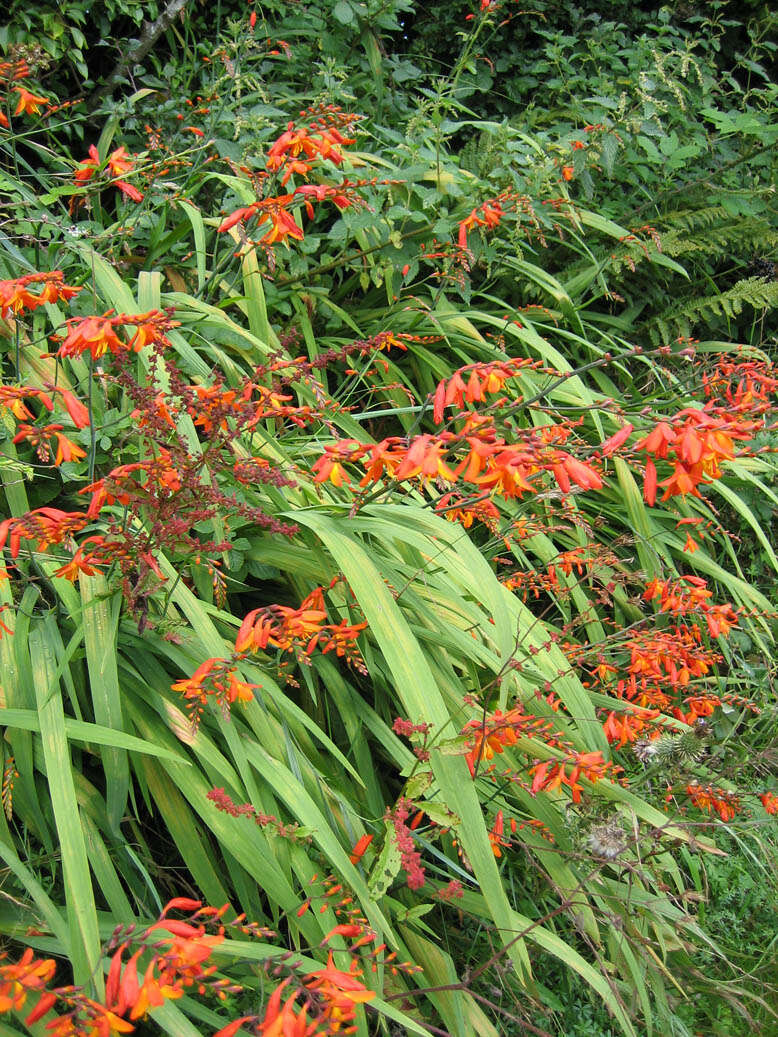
{"points": [[299, 146], [97, 335], [744, 385], [17, 981], [488, 737], [15, 296], [553, 774], [690, 594], [217, 679], [697, 442], [43, 527], [488, 214], [491, 464], [118, 164], [713, 800], [300, 630], [40, 436]]}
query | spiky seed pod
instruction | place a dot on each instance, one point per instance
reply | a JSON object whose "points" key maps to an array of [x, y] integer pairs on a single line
{"points": [[687, 748], [671, 750]]}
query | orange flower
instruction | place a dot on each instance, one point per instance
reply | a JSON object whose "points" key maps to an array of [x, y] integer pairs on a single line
{"points": [[769, 801], [39, 437], [340, 991], [118, 163], [725, 804], [487, 215], [87, 167], [217, 678], [568, 172], [320, 192], [15, 298], [550, 775], [360, 848], [93, 335], [621, 728], [96, 335], [28, 103], [496, 835], [283, 1022], [13, 397], [319, 140], [425, 457], [283, 224], [329, 467], [27, 974], [47, 526]]}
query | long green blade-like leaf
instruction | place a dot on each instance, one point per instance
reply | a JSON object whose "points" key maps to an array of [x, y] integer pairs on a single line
{"points": [[422, 700], [100, 645], [82, 917]]}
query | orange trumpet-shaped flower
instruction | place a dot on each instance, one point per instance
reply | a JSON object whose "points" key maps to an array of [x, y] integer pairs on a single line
{"points": [[40, 436], [93, 335], [360, 848], [725, 804], [487, 215], [339, 991], [119, 162], [28, 103], [18, 979], [47, 526], [87, 167], [553, 775], [329, 467], [425, 457], [283, 224], [496, 835], [217, 678], [16, 298]]}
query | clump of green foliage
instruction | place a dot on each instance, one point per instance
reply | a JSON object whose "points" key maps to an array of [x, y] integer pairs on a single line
{"points": [[341, 591]]}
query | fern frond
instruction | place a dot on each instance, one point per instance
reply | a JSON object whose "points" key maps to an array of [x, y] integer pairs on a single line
{"points": [[754, 292]]}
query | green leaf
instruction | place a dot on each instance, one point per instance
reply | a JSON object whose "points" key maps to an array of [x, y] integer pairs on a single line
{"points": [[343, 11], [85, 951]]}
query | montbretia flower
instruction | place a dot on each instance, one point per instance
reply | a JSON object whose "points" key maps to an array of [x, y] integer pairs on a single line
{"points": [[13, 397], [28, 974], [217, 678], [97, 335], [329, 467], [488, 214], [696, 443], [725, 804], [282, 222], [553, 774], [44, 526], [15, 296], [117, 165], [28, 103], [40, 438]]}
